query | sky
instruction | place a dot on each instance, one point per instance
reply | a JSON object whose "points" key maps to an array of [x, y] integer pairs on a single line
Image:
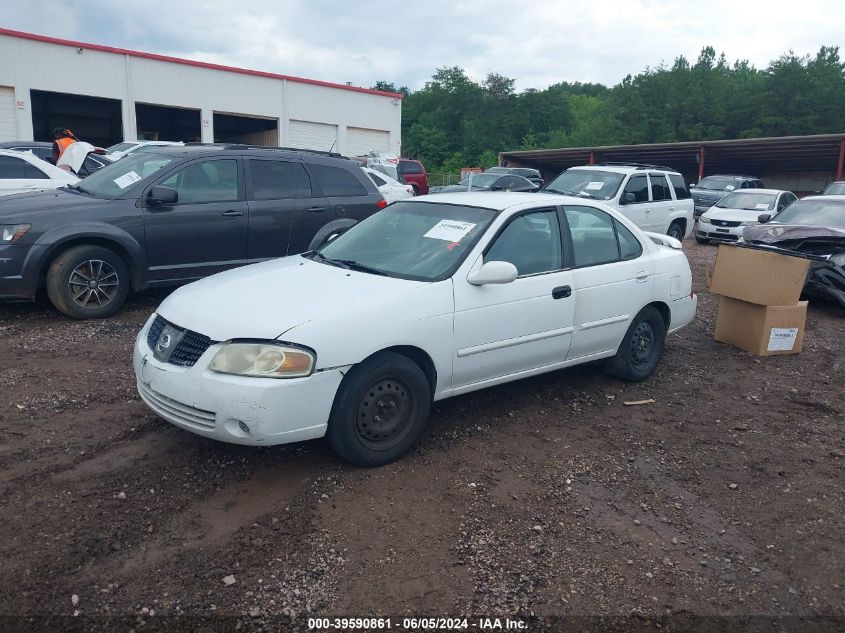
{"points": [[538, 42]]}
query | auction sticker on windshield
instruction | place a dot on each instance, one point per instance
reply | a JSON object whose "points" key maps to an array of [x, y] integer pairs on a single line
{"points": [[450, 230], [594, 185], [129, 178]]}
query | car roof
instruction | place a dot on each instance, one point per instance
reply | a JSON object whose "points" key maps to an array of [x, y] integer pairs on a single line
{"points": [[832, 197], [626, 169], [734, 176], [760, 191], [499, 200], [7, 144], [18, 154], [199, 149]]}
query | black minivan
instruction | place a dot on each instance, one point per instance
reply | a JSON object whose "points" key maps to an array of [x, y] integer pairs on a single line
{"points": [[171, 216]]}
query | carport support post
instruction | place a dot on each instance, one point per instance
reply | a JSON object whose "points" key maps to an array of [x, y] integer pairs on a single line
{"points": [[700, 163], [841, 159], [207, 125], [592, 158]]}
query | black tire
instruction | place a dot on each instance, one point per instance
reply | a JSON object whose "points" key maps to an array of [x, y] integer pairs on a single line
{"points": [[87, 282], [676, 230], [641, 348], [416, 190], [380, 410], [702, 240]]}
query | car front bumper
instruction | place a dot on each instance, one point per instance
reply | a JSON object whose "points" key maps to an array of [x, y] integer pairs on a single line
{"points": [[713, 232], [19, 270], [235, 409]]}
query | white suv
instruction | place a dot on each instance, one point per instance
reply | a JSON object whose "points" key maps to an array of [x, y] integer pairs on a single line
{"points": [[654, 198]]}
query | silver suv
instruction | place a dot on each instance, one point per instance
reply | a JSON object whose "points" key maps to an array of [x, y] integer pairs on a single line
{"points": [[654, 198]]}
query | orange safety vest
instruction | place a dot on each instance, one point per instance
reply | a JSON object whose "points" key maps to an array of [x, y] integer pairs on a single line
{"points": [[63, 144]]}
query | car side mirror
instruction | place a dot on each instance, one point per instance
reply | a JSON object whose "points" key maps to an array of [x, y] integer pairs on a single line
{"points": [[691, 185], [497, 188], [628, 198], [159, 194], [764, 217], [493, 273]]}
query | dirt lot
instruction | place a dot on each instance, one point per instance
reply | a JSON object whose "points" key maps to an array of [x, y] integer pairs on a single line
{"points": [[549, 496]]}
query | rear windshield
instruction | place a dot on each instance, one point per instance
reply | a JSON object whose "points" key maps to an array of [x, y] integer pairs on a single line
{"points": [[121, 147], [836, 189], [594, 183], [748, 200]]}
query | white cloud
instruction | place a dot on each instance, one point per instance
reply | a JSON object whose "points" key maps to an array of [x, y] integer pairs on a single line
{"points": [[534, 42]]}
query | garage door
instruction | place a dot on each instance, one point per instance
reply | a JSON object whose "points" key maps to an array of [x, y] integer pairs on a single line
{"points": [[8, 116], [309, 135], [360, 140]]}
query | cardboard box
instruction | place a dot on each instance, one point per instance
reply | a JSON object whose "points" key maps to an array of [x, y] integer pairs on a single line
{"points": [[761, 330], [757, 276]]}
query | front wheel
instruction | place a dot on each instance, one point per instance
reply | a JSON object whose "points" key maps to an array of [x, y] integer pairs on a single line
{"points": [[676, 231], [87, 282], [641, 348], [380, 410]]}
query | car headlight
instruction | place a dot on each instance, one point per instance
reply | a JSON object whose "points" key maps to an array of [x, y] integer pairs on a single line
{"points": [[704, 220], [749, 223], [838, 259], [11, 233], [264, 360]]}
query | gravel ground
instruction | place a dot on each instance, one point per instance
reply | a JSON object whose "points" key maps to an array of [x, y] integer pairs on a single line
{"points": [[722, 499]]}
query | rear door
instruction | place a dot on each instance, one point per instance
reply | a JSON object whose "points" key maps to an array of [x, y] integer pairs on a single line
{"points": [[662, 203], [205, 232], [17, 175], [639, 210], [338, 195], [278, 191]]}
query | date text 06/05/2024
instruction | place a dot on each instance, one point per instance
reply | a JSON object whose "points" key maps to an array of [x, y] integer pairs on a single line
{"points": [[417, 624]]}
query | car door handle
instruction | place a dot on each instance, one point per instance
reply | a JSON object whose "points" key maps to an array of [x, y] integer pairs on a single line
{"points": [[232, 213], [316, 209], [641, 276], [561, 292]]}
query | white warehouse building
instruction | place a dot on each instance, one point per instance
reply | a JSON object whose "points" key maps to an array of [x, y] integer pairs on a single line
{"points": [[107, 95]]}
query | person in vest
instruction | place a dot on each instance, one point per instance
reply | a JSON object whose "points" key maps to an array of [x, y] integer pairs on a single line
{"points": [[63, 137]]}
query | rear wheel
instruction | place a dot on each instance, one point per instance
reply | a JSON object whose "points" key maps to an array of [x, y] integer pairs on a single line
{"points": [[380, 410], [415, 190], [676, 230], [87, 282], [641, 348]]}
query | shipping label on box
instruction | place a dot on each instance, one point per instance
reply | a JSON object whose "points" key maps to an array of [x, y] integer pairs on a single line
{"points": [[782, 339]]}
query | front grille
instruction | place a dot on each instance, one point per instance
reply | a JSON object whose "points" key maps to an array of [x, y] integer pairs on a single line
{"points": [[176, 411], [189, 349], [724, 223], [725, 237]]}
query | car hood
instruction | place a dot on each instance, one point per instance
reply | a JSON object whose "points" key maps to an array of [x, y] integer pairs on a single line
{"points": [[23, 206], [461, 188], [818, 240], [265, 300], [734, 215]]}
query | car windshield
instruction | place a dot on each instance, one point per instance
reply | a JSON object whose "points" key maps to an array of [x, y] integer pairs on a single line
{"points": [[836, 189], [112, 181], [602, 185], [749, 200], [423, 241], [480, 180], [497, 170], [120, 147], [827, 213], [718, 183]]}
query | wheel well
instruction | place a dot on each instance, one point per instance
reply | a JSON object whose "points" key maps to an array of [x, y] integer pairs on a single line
{"points": [[664, 311], [680, 221], [85, 241], [421, 358]]}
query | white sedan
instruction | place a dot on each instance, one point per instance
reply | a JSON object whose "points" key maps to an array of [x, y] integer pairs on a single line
{"points": [[24, 171], [727, 219], [392, 190], [432, 297]]}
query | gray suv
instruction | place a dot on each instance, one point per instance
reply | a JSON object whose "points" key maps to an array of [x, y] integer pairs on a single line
{"points": [[171, 216], [711, 189]]}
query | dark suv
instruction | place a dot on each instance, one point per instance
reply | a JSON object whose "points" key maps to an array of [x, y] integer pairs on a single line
{"points": [[171, 216], [711, 189]]}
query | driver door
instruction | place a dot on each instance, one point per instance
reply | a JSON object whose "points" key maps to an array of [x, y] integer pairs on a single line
{"points": [[205, 231], [506, 329]]}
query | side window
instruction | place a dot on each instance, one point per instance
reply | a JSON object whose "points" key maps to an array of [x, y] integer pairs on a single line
{"points": [[408, 167], [659, 187], [531, 242], [276, 179], [593, 236], [11, 167], [208, 181], [637, 185], [680, 187], [380, 182], [629, 245], [337, 182]]}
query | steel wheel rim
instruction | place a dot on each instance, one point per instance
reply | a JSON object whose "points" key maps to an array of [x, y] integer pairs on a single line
{"points": [[93, 283], [385, 414], [642, 345], [675, 232]]}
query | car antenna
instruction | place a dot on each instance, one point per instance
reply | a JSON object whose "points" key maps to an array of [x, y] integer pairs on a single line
{"points": [[332, 147]]}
